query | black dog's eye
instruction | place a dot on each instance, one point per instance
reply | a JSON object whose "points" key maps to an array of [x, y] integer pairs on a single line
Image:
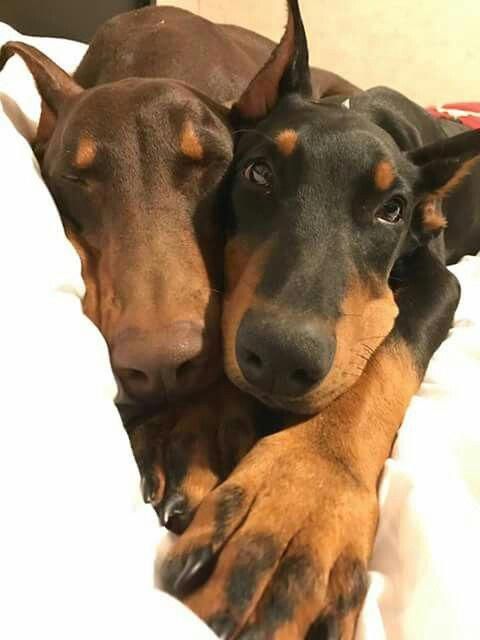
{"points": [[391, 212], [259, 173]]}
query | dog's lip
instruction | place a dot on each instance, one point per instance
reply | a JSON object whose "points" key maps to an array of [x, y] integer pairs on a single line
{"points": [[270, 399], [290, 404]]}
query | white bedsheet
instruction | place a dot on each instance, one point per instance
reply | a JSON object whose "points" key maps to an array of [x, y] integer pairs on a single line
{"points": [[77, 543]]}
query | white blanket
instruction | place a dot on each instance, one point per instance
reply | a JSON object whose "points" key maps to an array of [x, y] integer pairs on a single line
{"points": [[77, 544]]}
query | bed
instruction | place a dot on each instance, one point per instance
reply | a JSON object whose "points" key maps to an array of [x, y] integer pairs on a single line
{"points": [[78, 544]]}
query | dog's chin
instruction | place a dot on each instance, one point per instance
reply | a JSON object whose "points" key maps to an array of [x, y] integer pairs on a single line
{"points": [[300, 405], [307, 405]]}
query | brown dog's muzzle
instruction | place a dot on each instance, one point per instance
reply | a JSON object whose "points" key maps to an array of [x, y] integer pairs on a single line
{"points": [[163, 337], [163, 364]]}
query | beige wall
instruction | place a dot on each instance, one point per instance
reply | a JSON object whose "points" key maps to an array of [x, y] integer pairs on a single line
{"points": [[429, 49]]}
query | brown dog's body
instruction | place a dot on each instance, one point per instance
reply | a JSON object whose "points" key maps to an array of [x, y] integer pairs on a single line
{"points": [[166, 42]]}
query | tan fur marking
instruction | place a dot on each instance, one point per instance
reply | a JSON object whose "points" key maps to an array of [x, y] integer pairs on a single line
{"points": [[190, 144], [464, 171], [384, 175], [287, 141], [244, 272], [99, 303], [85, 154], [378, 400], [432, 217], [369, 313], [237, 256]]}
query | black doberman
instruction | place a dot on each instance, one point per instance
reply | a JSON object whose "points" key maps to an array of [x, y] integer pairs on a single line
{"points": [[343, 212]]}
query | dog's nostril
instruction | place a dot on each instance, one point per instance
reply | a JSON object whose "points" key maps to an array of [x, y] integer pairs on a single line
{"points": [[304, 377], [253, 359], [135, 375], [184, 369]]}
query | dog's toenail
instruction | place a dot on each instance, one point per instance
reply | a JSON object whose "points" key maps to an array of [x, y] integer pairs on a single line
{"points": [[174, 513], [149, 487], [196, 569]]}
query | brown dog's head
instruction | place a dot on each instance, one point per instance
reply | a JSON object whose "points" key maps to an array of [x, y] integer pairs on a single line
{"points": [[324, 198], [134, 166]]}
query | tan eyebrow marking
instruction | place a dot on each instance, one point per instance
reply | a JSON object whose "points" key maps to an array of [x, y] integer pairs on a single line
{"points": [[287, 141], [190, 144], [384, 175], [86, 153]]}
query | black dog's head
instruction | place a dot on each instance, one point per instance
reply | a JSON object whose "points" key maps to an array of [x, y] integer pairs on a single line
{"points": [[324, 197]]}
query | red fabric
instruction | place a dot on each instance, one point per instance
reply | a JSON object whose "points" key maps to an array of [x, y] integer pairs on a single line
{"points": [[468, 117], [464, 106]]}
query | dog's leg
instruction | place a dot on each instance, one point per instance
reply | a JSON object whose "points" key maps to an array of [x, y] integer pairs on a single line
{"points": [[288, 536], [185, 454]]}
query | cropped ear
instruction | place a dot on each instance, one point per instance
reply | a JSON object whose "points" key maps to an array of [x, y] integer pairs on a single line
{"points": [[287, 71], [54, 85], [443, 165]]}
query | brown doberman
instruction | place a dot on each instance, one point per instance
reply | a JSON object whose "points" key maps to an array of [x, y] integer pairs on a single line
{"points": [[133, 148], [337, 295]]}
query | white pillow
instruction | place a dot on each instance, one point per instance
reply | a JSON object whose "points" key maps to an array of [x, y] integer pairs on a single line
{"points": [[77, 543]]}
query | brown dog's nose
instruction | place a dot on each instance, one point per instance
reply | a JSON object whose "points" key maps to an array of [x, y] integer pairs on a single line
{"points": [[158, 365]]}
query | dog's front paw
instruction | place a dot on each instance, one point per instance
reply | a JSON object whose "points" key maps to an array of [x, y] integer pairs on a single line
{"points": [[280, 549], [181, 464], [148, 440]]}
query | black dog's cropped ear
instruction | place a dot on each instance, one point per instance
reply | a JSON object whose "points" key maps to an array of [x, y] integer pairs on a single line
{"points": [[443, 165], [53, 83], [287, 71]]}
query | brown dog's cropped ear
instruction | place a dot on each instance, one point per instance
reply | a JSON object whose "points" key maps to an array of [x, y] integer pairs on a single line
{"points": [[443, 165], [53, 83], [287, 71]]}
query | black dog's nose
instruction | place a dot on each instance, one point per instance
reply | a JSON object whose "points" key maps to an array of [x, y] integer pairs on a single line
{"points": [[284, 358]]}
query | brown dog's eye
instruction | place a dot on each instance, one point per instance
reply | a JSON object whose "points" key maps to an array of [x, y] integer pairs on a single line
{"points": [[71, 177], [391, 212], [259, 173]]}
